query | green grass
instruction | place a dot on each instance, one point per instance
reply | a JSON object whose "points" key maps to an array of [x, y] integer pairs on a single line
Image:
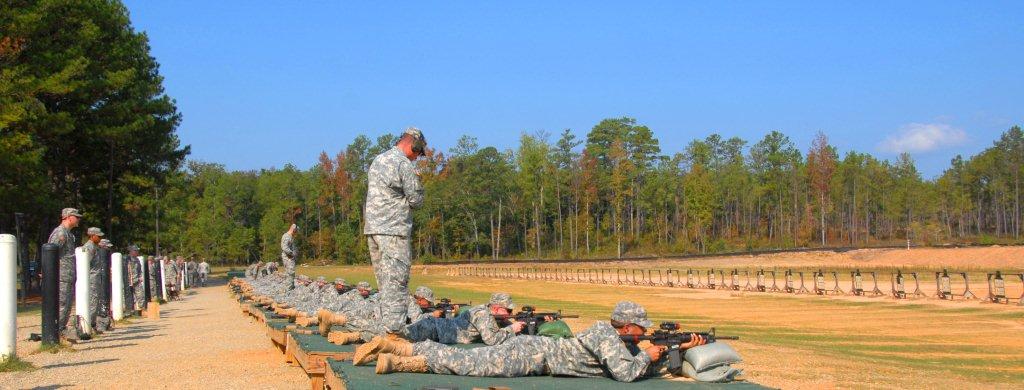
{"points": [[29, 309], [13, 364], [54, 348]]}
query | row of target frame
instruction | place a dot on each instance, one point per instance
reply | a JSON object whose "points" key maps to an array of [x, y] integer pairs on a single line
{"points": [[901, 285]]}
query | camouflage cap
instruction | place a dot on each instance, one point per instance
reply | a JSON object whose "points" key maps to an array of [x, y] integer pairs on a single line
{"points": [[69, 211], [425, 293], [631, 313], [105, 243], [503, 300], [133, 248], [414, 132], [363, 285], [321, 279], [94, 231], [339, 281]]}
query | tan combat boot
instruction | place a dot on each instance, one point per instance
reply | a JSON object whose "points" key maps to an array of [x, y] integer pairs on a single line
{"points": [[388, 363], [343, 338], [328, 319], [304, 320], [368, 352]]}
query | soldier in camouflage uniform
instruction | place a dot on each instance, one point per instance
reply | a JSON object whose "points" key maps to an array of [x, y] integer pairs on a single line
{"points": [[65, 241], [478, 324], [99, 280], [288, 251], [135, 279], [393, 190], [91, 248], [596, 352], [155, 289]]}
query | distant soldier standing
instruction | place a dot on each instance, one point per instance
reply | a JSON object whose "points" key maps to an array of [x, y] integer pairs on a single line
{"points": [[65, 241], [204, 272], [97, 317], [393, 190], [288, 251], [135, 282]]}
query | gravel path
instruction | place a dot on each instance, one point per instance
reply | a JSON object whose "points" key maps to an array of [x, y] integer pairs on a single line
{"points": [[201, 341]]}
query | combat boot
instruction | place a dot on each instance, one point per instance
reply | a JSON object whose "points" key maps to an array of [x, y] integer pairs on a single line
{"points": [[388, 363], [344, 338], [328, 319], [379, 345], [304, 320]]}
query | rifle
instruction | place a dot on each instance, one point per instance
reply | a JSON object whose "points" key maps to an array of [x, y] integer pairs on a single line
{"points": [[671, 337], [532, 318], [446, 307]]}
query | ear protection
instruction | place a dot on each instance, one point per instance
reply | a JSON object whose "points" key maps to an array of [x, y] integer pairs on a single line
{"points": [[418, 144]]}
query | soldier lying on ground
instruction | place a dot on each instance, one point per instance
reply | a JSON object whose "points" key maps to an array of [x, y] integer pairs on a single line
{"points": [[364, 326], [478, 324], [596, 352]]}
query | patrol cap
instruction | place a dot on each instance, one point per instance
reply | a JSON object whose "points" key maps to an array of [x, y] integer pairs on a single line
{"points": [[94, 231], [631, 313], [339, 281], [503, 300], [294, 226], [425, 293], [105, 243], [69, 211], [363, 285], [133, 247], [321, 279]]}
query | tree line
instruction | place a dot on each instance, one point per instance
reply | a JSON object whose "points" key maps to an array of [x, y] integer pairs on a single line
{"points": [[84, 122], [610, 194]]}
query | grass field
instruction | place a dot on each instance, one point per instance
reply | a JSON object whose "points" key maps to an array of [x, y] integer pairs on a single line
{"points": [[792, 341]]}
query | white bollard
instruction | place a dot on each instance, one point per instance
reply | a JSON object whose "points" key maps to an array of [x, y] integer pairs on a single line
{"points": [[163, 283], [82, 288], [184, 271], [8, 295], [117, 285]]}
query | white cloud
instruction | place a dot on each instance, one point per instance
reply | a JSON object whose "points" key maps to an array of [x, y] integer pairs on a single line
{"points": [[923, 137]]}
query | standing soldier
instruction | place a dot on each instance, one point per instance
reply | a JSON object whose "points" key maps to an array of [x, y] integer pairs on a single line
{"points": [[288, 251], [65, 241], [135, 283], [95, 283], [204, 272], [393, 190]]}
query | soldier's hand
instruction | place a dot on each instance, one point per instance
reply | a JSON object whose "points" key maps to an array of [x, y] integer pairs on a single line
{"points": [[517, 326], [655, 352], [695, 340], [548, 318], [437, 313]]}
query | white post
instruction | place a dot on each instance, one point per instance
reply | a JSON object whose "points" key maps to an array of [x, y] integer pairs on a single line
{"points": [[8, 295], [184, 271], [117, 285], [163, 283], [82, 288]]}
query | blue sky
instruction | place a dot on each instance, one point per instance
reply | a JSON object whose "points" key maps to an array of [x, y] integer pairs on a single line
{"points": [[261, 84]]}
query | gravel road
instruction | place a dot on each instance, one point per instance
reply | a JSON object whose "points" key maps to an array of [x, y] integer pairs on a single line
{"points": [[200, 341]]}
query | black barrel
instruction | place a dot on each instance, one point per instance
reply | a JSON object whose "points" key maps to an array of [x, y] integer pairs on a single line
{"points": [[103, 263], [51, 271], [145, 283]]}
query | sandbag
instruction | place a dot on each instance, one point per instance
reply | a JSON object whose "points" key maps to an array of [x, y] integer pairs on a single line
{"points": [[720, 374], [555, 329], [711, 355]]}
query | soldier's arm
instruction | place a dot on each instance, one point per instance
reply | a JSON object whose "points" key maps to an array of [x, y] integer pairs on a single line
{"points": [[411, 186], [613, 354], [490, 333], [286, 245]]}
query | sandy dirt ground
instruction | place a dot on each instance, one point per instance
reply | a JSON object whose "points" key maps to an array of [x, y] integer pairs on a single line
{"points": [[200, 342]]}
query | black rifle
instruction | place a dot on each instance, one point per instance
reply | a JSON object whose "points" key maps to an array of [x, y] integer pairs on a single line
{"points": [[671, 337], [532, 318], [446, 307]]}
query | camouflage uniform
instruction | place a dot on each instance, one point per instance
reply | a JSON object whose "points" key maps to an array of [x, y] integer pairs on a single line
{"points": [[155, 279], [138, 284], [65, 241], [92, 253], [288, 253], [476, 324], [204, 272], [393, 190], [595, 352]]}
